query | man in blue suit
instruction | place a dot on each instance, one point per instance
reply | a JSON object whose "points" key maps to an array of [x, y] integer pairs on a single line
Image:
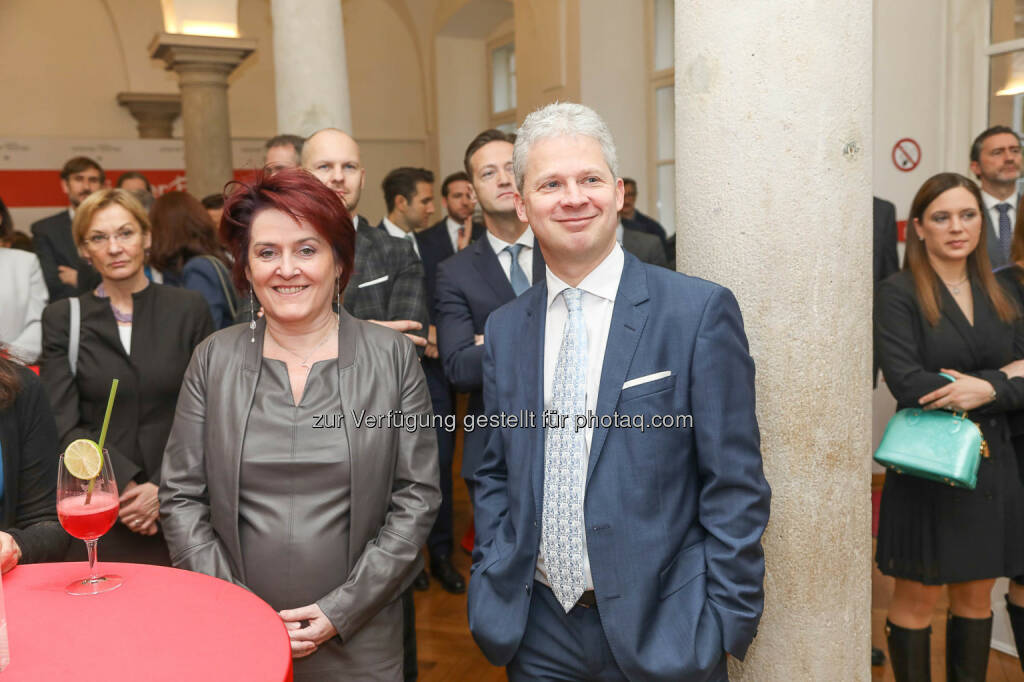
{"points": [[626, 545], [482, 277]]}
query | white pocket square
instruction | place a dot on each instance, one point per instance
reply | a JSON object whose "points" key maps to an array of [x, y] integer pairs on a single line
{"points": [[646, 379], [373, 281]]}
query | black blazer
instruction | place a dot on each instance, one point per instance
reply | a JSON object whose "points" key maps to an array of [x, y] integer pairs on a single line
{"points": [[886, 260], [387, 279], [169, 323], [54, 245], [470, 286], [912, 352], [28, 438]]}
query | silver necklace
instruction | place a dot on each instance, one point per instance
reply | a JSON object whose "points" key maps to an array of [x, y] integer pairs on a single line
{"points": [[304, 361], [954, 287]]}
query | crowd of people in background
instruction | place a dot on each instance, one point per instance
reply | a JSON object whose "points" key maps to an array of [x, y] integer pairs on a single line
{"points": [[124, 283], [322, 310]]}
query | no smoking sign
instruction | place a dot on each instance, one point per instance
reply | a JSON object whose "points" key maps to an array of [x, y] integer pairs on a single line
{"points": [[906, 154]]}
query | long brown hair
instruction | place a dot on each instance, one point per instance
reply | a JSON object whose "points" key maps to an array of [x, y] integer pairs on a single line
{"points": [[182, 230], [926, 281], [10, 382]]}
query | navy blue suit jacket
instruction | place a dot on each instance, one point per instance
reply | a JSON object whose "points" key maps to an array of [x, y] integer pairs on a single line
{"points": [[471, 285], [435, 246], [674, 516]]}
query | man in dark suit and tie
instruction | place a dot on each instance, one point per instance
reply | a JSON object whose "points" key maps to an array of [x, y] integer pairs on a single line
{"points": [[442, 239], [996, 161], [65, 271], [488, 273], [626, 545], [409, 197]]}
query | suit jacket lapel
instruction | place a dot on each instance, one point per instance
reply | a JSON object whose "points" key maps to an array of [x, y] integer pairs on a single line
{"points": [[245, 392], [66, 240], [539, 269], [951, 309], [348, 386], [533, 383], [486, 262], [629, 315], [106, 325]]}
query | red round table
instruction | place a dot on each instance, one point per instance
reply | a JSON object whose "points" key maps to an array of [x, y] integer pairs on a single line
{"points": [[162, 624]]}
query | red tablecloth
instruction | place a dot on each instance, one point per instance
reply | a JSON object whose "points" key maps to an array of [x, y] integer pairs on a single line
{"points": [[162, 624]]}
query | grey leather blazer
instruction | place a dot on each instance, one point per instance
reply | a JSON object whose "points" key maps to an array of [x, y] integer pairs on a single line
{"points": [[394, 472]]}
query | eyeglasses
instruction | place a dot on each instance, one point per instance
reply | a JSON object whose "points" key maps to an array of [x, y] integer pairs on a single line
{"points": [[98, 241]]}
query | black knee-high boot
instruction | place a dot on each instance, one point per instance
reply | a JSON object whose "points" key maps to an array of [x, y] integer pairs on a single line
{"points": [[1017, 624], [968, 641], [910, 653]]}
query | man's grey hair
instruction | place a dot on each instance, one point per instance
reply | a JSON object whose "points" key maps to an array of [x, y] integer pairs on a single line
{"points": [[557, 120]]}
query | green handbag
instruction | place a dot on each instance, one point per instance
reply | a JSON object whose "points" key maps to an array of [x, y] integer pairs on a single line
{"points": [[935, 444]]}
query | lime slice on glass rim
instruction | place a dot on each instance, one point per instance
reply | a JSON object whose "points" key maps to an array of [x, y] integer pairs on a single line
{"points": [[83, 459]]}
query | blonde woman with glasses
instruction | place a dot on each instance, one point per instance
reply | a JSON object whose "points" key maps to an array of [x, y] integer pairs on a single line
{"points": [[134, 330]]}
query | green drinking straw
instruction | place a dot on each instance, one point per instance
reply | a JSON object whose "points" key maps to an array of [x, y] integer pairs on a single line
{"points": [[103, 433]]}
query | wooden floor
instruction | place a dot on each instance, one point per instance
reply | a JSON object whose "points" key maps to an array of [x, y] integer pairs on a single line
{"points": [[445, 649], [1001, 668], [447, 652]]}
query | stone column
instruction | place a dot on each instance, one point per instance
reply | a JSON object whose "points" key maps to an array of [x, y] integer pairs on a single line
{"points": [[154, 113], [203, 65], [773, 200], [310, 71]]}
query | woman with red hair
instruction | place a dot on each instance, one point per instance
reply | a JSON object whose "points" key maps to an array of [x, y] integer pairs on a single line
{"points": [[278, 474]]}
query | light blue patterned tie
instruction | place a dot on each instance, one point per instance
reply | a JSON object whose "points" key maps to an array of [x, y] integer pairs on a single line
{"points": [[515, 273], [1005, 230], [561, 540]]}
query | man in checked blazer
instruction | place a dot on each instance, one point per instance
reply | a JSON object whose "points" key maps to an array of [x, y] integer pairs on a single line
{"points": [[387, 282], [386, 286]]}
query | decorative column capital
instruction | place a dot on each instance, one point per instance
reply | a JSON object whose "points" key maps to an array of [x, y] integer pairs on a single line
{"points": [[182, 53], [153, 112]]}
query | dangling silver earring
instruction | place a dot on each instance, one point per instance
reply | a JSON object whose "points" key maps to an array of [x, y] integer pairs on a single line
{"points": [[337, 283], [252, 317]]}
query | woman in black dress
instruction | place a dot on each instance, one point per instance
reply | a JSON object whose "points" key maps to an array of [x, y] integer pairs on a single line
{"points": [[1012, 279], [29, 530], [139, 332], [945, 312]]}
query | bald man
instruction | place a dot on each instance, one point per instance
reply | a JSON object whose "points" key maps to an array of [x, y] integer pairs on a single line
{"points": [[387, 282], [387, 287]]}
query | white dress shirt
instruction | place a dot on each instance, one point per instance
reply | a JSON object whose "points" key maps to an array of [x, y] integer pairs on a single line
{"points": [[453, 232], [124, 332], [396, 231], [525, 254], [993, 213], [599, 289]]}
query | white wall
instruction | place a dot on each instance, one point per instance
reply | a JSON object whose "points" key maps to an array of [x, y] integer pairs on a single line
{"points": [[908, 91], [462, 98], [613, 81]]}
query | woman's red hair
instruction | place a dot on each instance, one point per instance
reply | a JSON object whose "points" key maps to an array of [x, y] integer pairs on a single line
{"points": [[300, 195]]}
